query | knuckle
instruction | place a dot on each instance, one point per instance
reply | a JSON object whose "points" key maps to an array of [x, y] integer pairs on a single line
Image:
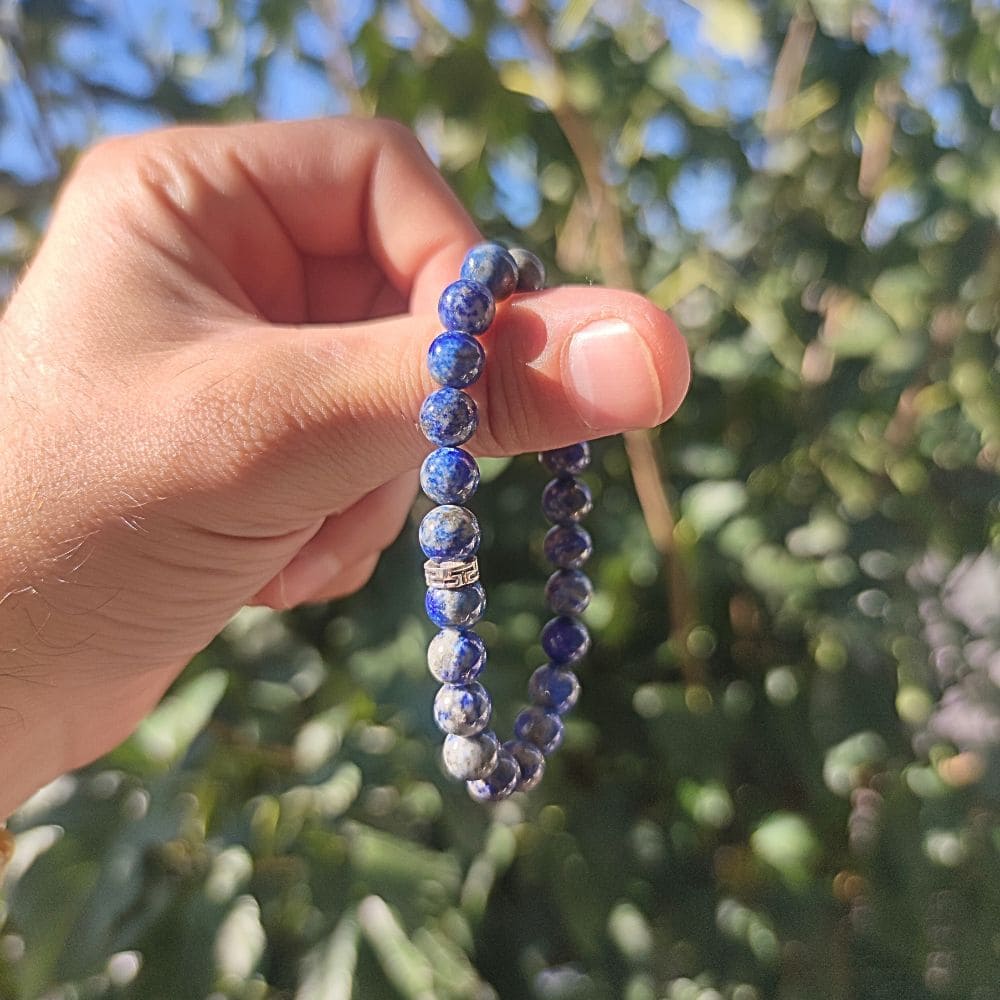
{"points": [[106, 155], [394, 133], [397, 136], [128, 170], [121, 155]]}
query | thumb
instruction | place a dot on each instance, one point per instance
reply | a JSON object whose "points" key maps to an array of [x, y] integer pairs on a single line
{"points": [[334, 409]]}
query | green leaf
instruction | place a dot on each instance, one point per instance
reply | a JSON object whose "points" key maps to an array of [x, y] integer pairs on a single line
{"points": [[167, 733]]}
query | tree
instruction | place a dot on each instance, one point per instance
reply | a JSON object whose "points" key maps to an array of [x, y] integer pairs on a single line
{"points": [[781, 779]]}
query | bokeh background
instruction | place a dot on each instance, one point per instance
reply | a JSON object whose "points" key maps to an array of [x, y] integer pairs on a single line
{"points": [[782, 778]]}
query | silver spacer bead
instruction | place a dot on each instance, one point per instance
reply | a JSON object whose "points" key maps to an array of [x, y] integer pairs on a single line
{"points": [[451, 574]]}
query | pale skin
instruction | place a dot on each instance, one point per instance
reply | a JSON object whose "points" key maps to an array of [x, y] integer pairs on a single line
{"points": [[209, 381]]}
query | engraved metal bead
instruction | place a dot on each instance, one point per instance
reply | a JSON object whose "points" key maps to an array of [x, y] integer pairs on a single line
{"points": [[452, 574]]}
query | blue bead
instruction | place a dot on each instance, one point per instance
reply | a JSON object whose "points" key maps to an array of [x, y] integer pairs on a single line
{"points": [[491, 265], [565, 500], [449, 532], [544, 729], [469, 758], [467, 307], [568, 592], [449, 416], [554, 688], [456, 656], [455, 359], [568, 546], [530, 761], [530, 270], [462, 709], [461, 607], [449, 475], [500, 783], [565, 639], [568, 461]]}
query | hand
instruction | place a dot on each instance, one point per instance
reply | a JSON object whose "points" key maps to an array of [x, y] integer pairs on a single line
{"points": [[210, 378]]}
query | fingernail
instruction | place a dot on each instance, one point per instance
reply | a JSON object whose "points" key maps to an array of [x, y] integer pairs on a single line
{"points": [[612, 378], [306, 574]]}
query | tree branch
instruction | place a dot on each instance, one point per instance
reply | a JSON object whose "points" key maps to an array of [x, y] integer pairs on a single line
{"points": [[612, 261]]}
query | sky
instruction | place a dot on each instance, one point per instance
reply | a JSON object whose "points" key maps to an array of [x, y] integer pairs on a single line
{"points": [[128, 45]]}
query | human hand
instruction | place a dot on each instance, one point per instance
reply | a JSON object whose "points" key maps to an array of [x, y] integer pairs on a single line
{"points": [[210, 379]]}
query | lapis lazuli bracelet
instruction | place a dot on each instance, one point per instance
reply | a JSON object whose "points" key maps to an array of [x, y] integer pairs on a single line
{"points": [[449, 537]]}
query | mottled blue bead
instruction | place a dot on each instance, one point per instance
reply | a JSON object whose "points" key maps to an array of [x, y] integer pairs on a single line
{"points": [[462, 709], [568, 546], [449, 475], [568, 592], [530, 270], [467, 307], [455, 359], [543, 729], [565, 500], [530, 762], [565, 639], [500, 783], [449, 532], [469, 758], [456, 656], [461, 607], [449, 416], [491, 265], [568, 461], [554, 688]]}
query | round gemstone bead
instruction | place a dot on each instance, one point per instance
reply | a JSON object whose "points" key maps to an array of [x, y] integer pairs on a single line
{"points": [[462, 709], [565, 639], [530, 760], [449, 532], [554, 688], [543, 729], [568, 461], [568, 546], [455, 359], [568, 591], [500, 783], [449, 416], [469, 758], [565, 500], [456, 656], [530, 270], [466, 307], [491, 265], [449, 475], [462, 606]]}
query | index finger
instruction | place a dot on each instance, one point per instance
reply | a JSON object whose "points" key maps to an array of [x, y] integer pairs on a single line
{"points": [[347, 186], [265, 197]]}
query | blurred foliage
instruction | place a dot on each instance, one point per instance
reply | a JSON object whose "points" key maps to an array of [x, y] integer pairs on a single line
{"points": [[782, 778]]}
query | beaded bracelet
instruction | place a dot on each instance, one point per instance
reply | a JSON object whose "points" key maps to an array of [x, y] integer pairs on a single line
{"points": [[449, 536]]}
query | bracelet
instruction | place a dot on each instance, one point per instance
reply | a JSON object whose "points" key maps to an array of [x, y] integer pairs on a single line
{"points": [[449, 536]]}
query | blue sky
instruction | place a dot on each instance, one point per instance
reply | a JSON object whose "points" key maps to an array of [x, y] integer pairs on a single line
{"points": [[176, 35]]}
